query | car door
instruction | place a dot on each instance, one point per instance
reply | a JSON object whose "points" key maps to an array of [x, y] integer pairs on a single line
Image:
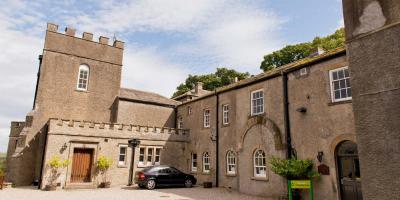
{"points": [[163, 176], [177, 176]]}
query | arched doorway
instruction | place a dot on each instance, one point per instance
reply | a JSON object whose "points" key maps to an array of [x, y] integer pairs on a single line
{"points": [[348, 168]]}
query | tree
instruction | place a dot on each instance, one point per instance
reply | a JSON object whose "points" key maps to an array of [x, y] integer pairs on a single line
{"points": [[221, 77], [291, 53]]}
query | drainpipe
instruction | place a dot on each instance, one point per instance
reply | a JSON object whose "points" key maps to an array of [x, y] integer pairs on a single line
{"points": [[37, 81], [286, 114], [217, 141]]}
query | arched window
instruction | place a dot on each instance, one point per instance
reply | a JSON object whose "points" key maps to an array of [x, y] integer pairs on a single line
{"points": [[230, 163], [259, 164], [206, 162], [83, 78]]}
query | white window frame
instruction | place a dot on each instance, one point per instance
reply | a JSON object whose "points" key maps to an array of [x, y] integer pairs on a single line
{"points": [[180, 122], [303, 71], [331, 81], [252, 104], [231, 163], [125, 154], [84, 81], [155, 156], [206, 118], [259, 164], [193, 160], [206, 162], [225, 114]]}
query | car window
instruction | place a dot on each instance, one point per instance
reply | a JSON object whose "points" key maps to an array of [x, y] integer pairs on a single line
{"points": [[174, 170], [165, 170]]}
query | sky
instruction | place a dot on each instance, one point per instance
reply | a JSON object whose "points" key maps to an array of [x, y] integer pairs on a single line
{"points": [[165, 40]]}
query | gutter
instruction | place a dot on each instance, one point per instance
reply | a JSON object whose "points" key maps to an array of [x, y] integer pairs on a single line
{"points": [[286, 115]]}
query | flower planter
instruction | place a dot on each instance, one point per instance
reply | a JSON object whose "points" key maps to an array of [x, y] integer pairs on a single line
{"points": [[50, 187], [1, 181], [207, 184], [105, 185]]}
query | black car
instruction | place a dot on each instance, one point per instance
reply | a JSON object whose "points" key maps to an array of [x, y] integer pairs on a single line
{"points": [[163, 175]]}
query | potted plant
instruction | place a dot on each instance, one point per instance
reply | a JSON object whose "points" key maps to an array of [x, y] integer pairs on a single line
{"points": [[293, 169], [103, 164], [2, 173], [55, 164]]}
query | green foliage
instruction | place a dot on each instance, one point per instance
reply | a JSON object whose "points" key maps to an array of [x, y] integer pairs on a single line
{"points": [[296, 52], [55, 162], [292, 168], [104, 163], [223, 76], [2, 167]]}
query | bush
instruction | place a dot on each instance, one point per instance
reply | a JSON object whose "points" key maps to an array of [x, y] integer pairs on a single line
{"points": [[292, 168], [2, 167], [103, 164], [56, 162]]}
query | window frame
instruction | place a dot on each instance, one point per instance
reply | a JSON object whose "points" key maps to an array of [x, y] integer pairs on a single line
{"points": [[231, 156], [333, 99], [83, 67], [143, 160], [122, 163], [256, 164], [225, 114], [189, 110], [192, 161], [180, 122], [207, 118], [252, 104], [206, 162]]}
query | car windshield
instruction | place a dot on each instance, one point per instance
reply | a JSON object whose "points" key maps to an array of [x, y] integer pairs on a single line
{"points": [[150, 169]]}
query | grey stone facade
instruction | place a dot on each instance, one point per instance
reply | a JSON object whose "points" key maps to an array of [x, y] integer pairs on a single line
{"points": [[105, 116]]}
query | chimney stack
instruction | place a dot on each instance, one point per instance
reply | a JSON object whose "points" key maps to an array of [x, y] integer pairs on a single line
{"points": [[198, 87]]}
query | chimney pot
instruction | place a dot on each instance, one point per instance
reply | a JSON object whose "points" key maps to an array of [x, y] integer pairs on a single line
{"points": [[70, 31], [87, 36], [103, 40]]}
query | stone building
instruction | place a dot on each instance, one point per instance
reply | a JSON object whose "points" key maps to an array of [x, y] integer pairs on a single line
{"points": [[225, 136]]}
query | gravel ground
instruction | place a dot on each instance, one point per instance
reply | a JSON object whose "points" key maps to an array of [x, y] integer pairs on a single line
{"points": [[124, 193]]}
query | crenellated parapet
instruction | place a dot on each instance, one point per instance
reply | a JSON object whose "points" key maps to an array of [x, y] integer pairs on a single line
{"points": [[86, 35], [100, 129]]}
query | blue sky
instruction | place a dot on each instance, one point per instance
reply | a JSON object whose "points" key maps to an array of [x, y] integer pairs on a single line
{"points": [[165, 39]]}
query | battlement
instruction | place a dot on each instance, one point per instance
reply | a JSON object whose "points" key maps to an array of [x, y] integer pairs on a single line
{"points": [[64, 126], [85, 36]]}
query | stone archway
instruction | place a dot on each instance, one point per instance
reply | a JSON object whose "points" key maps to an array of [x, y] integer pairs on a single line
{"points": [[266, 122]]}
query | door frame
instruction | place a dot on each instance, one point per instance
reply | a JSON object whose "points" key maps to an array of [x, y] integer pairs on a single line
{"points": [[85, 145], [338, 166]]}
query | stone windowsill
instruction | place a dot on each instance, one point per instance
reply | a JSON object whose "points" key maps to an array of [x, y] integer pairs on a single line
{"points": [[339, 102], [259, 178], [122, 166], [206, 173], [230, 175], [84, 91]]}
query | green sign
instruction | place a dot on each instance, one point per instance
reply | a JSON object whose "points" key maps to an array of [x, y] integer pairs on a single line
{"points": [[300, 184]]}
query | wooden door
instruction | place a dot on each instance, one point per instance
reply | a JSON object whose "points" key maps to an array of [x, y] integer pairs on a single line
{"points": [[82, 165]]}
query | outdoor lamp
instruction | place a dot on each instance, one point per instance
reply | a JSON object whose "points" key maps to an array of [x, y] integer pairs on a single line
{"points": [[320, 156]]}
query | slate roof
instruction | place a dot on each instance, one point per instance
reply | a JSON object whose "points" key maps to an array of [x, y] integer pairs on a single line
{"points": [[145, 97]]}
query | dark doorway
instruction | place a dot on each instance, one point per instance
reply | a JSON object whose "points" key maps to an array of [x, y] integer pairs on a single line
{"points": [[82, 165], [348, 171]]}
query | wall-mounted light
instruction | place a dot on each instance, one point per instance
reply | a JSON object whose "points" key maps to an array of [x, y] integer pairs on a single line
{"points": [[302, 109], [320, 155]]}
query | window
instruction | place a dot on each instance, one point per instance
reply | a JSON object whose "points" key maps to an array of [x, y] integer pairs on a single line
{"points": [[83, 77], [122, 155], [340, 84], [206, 162], [206, 118], [180, 122], [189, 110], [141, 155], [225, 114], [152, 155], [230, 163], [303, 71], [257, 102], [259, 164], [194, 162]]}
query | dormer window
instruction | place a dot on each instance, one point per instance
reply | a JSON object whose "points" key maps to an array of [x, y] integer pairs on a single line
{"points": [[83, 78]]}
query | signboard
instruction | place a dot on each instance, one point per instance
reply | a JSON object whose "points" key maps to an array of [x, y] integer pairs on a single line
{"points": [[300, 184]]}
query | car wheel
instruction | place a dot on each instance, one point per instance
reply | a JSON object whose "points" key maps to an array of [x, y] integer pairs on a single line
{"points": [[188, 183], [151, 184]]}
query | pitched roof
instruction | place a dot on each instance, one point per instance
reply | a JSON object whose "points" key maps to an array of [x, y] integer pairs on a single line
{"points": [[192, 93], [145, 97]]}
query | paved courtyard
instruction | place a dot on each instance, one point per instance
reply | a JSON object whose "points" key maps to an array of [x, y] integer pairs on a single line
{"points": [[124, 193]]}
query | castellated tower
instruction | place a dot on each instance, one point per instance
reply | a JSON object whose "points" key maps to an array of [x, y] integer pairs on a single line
{"points": [[78, 79]]}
